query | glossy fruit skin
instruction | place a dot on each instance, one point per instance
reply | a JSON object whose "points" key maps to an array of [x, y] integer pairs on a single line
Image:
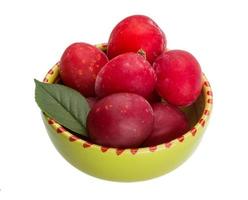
{"points": [[169, 123], [179, 77], [121, 120], [134, 33], [79, 66], [128, 72]]}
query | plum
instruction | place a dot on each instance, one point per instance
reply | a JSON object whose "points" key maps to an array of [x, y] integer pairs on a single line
{"points": [[121, 120], [179, 77], [135, 33], [79, 66], [169, 123], [128, 72]]}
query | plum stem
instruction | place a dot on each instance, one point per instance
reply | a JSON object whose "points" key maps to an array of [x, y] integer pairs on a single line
{"points": [[142, 53]]}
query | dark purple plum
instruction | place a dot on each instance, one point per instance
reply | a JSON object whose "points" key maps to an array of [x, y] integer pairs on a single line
{"points": [[169, 123], [121, 120]]}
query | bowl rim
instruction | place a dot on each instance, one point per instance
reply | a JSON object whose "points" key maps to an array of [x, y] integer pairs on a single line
{"points": [[53, 74]]}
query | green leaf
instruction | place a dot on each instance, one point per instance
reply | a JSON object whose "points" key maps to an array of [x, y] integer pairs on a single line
{"points": [[67, 106]]}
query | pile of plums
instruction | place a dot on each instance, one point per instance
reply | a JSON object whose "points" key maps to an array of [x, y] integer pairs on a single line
{"points": [[136, 88]]}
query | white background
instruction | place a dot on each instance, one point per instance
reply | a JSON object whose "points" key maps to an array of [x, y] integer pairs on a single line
{"points": [[33, 35]]}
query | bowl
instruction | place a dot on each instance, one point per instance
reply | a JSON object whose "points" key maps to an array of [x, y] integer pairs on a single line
{"points": [[134, 164]]}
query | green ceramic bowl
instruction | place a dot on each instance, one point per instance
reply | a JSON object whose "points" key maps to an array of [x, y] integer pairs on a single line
{"points": [[130, 164]]}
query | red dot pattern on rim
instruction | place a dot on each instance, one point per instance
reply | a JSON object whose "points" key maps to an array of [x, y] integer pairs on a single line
{"points": [[87, 144], [73, 138], [181, 139], [50, 72], [50, 121], [206, 83], [168, 144], [210, 101], [202, 122], [104, 149], [61, 130], [206, 112], [153, 148], [209, 93], [134, 151], [193, 131], [104, 46], [119, 151]]}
